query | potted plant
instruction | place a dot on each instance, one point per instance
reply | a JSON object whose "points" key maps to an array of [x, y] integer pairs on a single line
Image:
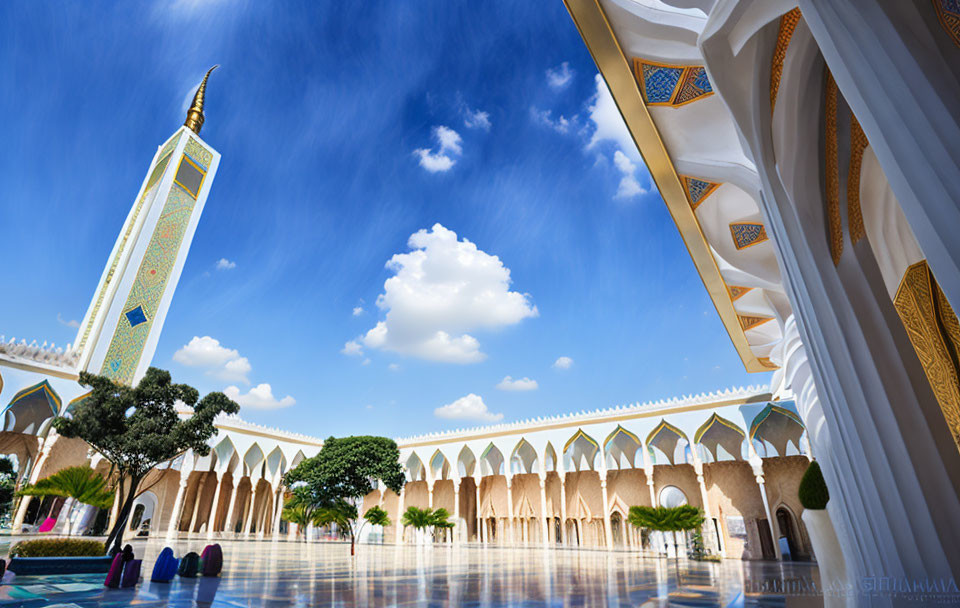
{"points": [[814, 497]]}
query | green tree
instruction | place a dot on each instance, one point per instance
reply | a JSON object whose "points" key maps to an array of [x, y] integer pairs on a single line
{"points": [[440, 520], [667, 519], [82, 484], [377, 516], [347, 469], [418, 519], [137, 428], [8, 482]]}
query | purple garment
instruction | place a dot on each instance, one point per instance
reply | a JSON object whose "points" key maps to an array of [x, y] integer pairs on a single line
{"points": [[116, 570], [212, 560], [131, 573]]}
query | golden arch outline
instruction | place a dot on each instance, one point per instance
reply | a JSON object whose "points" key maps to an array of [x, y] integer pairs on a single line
{"points": [[616, 431], [578, 434], [765, 413], [715, 419], [44, 386], [664, 425]]}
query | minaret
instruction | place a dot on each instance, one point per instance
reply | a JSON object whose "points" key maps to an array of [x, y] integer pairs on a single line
{"points": [[119, 333]]}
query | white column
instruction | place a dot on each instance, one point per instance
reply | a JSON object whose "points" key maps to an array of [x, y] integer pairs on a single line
{"points": [[543, 509], [510, 537], [172, 528], [758, 476], [608, 534], [563, 507], [228, 523], [399, 521], [456, 510], [480, 536], [275, 528], [709, 531], [45, 450], [212, 519], [253, 506], [430, 494]]}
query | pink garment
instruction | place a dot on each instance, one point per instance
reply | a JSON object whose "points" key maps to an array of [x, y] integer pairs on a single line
{"points": [[47, 524]]}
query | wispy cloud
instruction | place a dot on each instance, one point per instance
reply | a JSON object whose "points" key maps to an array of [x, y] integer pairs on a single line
{"points": [[520, 384], [563, 363], [69, 323], [225, 264], [441, 159], [560, 77], [476, 119], [545, 118]]}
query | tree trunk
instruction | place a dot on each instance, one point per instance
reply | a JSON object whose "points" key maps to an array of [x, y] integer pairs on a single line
{"points": [[116, 535]]}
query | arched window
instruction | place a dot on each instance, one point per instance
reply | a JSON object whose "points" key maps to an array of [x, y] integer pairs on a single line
{"points": [[672, 496]]}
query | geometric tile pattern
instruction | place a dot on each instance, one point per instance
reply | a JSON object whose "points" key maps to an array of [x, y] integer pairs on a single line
{"points": [[155, 176], [788, 23], [671, 85], [858, 143], [697, 189], [198, 154], [948, 12], [751, 321], [746, 234], [737, 292], [130, 336]]}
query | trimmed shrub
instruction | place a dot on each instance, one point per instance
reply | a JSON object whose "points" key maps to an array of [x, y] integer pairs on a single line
{"points": [[58, 547], [813, 489]]}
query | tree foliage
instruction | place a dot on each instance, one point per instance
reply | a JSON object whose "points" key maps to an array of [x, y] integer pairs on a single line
{"points": [[666, 519], [137, 428], [333, 482], [813, 492], [417, 518], [82, 484], [8, 482], [377, 516]]}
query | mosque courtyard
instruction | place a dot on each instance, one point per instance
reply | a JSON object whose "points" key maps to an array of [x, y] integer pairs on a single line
{"points": [[323, 574]]}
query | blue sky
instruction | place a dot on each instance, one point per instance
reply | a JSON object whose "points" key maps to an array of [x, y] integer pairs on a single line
{"points": [[346, 130]]}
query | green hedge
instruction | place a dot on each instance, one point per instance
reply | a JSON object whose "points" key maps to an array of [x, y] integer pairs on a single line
{"points": [[813, 489], [58, 547]]}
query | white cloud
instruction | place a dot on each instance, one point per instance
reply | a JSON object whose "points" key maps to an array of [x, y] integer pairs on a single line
{"points": [[69, 323], [563, 363], [476, 119], [216, 360], [545, 118], [225, 264], [394, 367], [560, 77], [441, 290], [366, 361], [260, 397], [449, 145], [607, 122], [358, 310], [629, 186], [520, 384], [470, 407], [352, 349]]}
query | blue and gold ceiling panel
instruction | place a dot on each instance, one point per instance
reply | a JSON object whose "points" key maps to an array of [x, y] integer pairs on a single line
{"points": [[747, 234], [671, 85]]}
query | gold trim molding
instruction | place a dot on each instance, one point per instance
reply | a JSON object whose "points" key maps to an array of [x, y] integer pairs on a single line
{"points": [[600, 40]]}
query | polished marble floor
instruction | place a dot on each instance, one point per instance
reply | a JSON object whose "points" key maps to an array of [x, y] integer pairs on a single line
{"points": [[263, 573]]}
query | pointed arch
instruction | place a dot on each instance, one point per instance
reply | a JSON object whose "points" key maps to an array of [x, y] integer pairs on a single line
{"points": [[581, 452], [31, 407], [439, 466], [276, 462], [226, 453], [670, 440], [524, 459], [491, 461], [297, 459], [549, 458], [777, 426], [253, 459], [719, 432], [75, 402], [415, 468], [466, 462], [621, 448]]}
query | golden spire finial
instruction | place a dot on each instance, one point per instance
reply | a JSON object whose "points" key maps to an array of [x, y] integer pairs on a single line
{"points": [[194, 120]]}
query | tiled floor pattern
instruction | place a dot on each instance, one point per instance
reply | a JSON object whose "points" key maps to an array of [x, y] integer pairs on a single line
{"points": [[300, 574]]}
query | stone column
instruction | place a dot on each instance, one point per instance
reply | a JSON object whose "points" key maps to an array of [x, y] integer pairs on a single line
{"points": [[510, 526], [228, 523], [196, 502], [175, 515], [263, 520], [480, 537], [212, 518], [607, 532], [399, 532], [709, 536], [456, 510], [758, 476], [253, 506], [48, 442], [543, 509], [563, 508], [430, 494], [279, 511]]}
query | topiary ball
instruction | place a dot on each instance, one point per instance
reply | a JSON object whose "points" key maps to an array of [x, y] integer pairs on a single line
{"points": [[813, 489]]}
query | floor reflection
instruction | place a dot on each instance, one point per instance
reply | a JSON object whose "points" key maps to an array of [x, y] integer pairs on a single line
{"points": [[292, 574]]}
